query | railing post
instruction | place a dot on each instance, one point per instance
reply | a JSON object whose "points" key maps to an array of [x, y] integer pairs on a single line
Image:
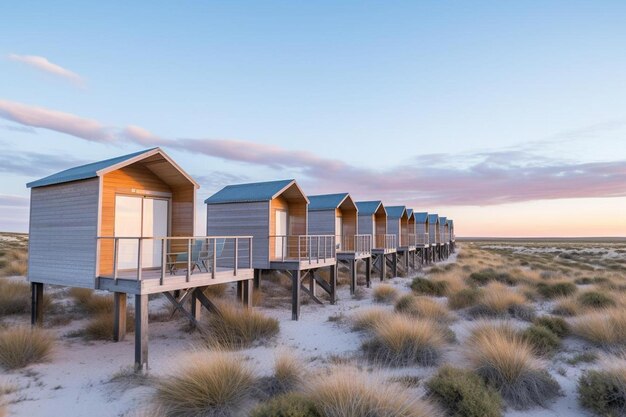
{"points": [[163, 260], [214, 260], [139, 258], [236, 255], [188, 260], [309, 246], [116, 246], [250, 252]]}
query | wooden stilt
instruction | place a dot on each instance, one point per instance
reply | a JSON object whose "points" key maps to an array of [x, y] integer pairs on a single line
{"points": [[312, 285], [36, 307], [141, 332], [406, 262], [257, 278], [383, 267], [394, 258], [295, 295], [248, 288], [196, 305], [240, 291], [353, 276], [368, 272], [333, 284], [119, 319]]}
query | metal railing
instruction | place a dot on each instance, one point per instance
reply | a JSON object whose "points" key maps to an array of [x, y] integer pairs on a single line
{"points": [[354, 243], [386, 241], [140, 258], [421, 239], [307, 248]]}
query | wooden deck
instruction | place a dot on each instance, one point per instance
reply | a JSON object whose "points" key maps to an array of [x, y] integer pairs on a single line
{"points": [[151, 280], [383, 251], [352, 256], [302, 265]]}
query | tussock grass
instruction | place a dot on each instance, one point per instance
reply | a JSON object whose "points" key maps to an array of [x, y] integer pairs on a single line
{"points": [[22, 346], [287, 405], [567, 306], [100, 327], [14, 297], [367, 320], [427, 286], [385, 293], [423, 307], [557, 289], [236, 328], [605, 328], [498, 301], [401, 341], [464, 394], [507, 363], [289, 375], [556, 325], [348, 393], [14, 262], [595, 299], [88, 301], [464, 298], [485, 276], [207, 384], [542, 339], [604, 391]]}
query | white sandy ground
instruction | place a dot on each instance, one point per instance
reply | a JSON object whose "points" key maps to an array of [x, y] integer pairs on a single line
{"points": [[76, 381]]}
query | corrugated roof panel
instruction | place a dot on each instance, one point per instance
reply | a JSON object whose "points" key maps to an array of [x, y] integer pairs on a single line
{"points": [[248, 193], [421, 217], [395, 212], [433, 218], [367, 208], [83, 172], [326, 201]]}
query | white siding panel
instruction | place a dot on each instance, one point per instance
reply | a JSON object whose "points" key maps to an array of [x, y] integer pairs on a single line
{"points": [[63, 230], [322, 222]]}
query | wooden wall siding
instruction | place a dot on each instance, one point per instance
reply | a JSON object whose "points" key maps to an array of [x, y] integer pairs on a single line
{"points": [[123, 181], [393, 228], [432, 232], [243, 219], [365, 224], [349, 223], [322, 222], [62, 235], [381, 223], [404, 231]]}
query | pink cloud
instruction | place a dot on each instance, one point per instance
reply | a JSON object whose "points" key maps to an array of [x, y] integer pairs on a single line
{"points": [[41, 63]]}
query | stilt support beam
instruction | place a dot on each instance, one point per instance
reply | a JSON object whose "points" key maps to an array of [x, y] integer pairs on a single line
{"points": [[141, 332], [36, 312], [119, 320]]}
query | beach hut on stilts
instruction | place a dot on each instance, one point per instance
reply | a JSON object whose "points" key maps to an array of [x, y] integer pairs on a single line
{"points": [[372, 220], [452, 236], [337, 214], [275, 214], [434, 236], [398, 225], [422, 243], [445, 237], [126, 225]]}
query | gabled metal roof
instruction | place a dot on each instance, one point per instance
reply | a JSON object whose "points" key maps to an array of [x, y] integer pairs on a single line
{"points": [[433, 218], [409, 212], [443, 220], [251, 192], [326, 201], [367, 208], [451, 223], [96, 169], [395, 212], [421, 217]]}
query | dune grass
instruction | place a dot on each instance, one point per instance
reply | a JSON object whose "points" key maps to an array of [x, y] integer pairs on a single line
{"points": [[14, 262], [367, 320], [22, 346], [385, 293], [349, 393], [423, 307], [604, 391], [89, 302], [100, 327], [464, 298], [497, 300], [289, 375], [402, 340], [236, 328], [557, 289], [287, 405], [542, 339], [425, 286], [556, 325], [14, 297], [507, 363], [208, 384], [605, 328], [595, 300]]}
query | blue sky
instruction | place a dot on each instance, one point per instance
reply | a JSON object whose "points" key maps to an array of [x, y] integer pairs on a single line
{"points": [[453, 93]]}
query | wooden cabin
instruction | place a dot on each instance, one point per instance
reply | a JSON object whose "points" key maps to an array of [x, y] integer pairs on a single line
{"points": [[434, 235], [398, 224], [422, 228], [411, 227], [275, 214], [126, 225], [452, 236], [337, 214], [373, 220], [445, 240]]}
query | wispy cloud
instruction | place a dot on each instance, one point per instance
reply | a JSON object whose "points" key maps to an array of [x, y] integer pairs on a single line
{"points": [[20, 129], [33, 164], [480, 178], [13, 201], [43, 64]]}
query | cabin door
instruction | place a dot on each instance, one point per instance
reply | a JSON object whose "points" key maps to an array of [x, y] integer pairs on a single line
{"points": [[338, 231], [281, 230], [140, 217]]}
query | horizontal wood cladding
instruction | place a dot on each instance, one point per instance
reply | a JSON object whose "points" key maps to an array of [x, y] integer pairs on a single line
{"points": [[322, 222], [243, 219], [62, 235], [365, 224]]}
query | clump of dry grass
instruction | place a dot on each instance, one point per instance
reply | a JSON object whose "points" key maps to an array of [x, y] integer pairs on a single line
{"points": [[464, 298], [385, 293], [288, 376], [605, 328], [14, 262], [236, 328], [207, 384], [349, 393], [100, 327], [604, 391], [401, 341], [498, 301], [567, 306], [423, 307], [22, 346], [14, 297], [90, 302], [368, 319], [507, 363]]}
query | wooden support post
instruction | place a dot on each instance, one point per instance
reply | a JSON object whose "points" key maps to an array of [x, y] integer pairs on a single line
{"points": [[141, 332], [295, 294], [394, 259], [119, 319], [239, 291], [368, 272], [36, 306], [353, 276], [383, 266], [312, 286], [406, 262], [248, 288], [333, 284], [196, 305], [257, 278]]}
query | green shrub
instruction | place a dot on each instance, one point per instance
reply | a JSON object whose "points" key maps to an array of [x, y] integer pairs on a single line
{"points": [[595, 299], [287, 405], [584, 357], [559, 289], [466, 297], [464, 394], [429, 287], [556, 325], [543, 341], [483, 277], [604, 392]]}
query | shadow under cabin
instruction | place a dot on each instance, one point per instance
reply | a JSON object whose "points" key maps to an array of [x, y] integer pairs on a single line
{"points": [[126, 225], [275, 214]]}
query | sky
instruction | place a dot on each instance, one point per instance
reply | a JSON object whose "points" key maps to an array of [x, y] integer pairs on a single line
{"points": [[509, 117]]}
